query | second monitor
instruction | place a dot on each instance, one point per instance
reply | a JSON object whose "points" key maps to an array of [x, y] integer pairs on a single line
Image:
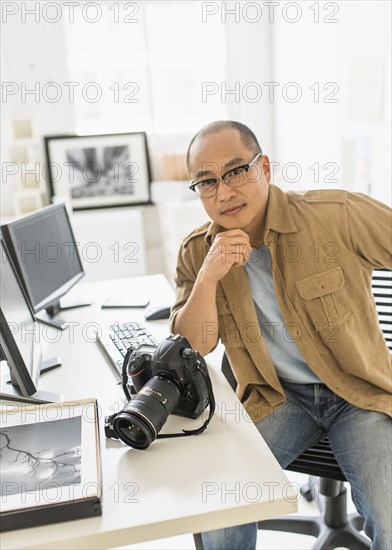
{"points": [[43, 250], [19, 338]]}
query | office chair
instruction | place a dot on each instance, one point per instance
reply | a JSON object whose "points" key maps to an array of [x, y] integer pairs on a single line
{"points": [[333, 527]]}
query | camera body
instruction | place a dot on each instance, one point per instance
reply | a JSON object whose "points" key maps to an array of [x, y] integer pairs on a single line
{"points": [[168, 378], [175, 360]]}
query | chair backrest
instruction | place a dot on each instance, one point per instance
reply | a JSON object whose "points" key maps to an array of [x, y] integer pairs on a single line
{"points": [[319, 460], [382, 292]]}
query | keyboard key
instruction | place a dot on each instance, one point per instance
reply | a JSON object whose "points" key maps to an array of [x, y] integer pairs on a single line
{"points": [[121, 337]]}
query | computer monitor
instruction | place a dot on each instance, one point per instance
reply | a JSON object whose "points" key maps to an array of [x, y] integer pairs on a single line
{"points": [[43, 250], [19, 344]]}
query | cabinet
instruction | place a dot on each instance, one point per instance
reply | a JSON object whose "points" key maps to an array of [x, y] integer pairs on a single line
{"points": [[111, 242]]}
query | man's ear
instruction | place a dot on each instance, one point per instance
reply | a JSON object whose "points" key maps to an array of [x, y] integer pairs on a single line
{"points": [[265, 165]]}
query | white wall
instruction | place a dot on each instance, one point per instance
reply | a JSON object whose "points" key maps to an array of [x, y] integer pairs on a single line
{"points": [[249, 64], [354, 133], [32, 53]]}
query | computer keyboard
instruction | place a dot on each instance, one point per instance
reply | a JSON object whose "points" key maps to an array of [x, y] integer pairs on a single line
{"points": [[119, 337]]}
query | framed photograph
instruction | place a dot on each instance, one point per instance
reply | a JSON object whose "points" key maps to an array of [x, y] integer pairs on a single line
{"points": [[50, 463], [99, 171]]}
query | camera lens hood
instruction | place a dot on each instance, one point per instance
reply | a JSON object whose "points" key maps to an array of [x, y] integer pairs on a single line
{"points": [[134, 429]]}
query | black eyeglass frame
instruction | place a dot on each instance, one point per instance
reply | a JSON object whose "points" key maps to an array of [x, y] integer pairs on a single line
{"points": [[192, 186]]}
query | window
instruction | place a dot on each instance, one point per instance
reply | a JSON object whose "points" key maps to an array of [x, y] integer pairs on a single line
{"points": [[147, 73]]}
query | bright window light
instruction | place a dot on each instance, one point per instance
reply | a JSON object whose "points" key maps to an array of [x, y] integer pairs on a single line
{"points": [[145, 70]]}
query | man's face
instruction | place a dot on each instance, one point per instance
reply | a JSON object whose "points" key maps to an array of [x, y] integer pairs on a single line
{"points": [[241, 207]]}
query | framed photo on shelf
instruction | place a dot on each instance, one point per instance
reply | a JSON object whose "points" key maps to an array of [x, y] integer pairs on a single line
{"points": [[99, 171], [50, 463]]}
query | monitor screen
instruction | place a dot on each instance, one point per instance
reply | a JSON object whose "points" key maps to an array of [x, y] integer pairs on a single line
{"points": [[17, 330], [43, 250]]}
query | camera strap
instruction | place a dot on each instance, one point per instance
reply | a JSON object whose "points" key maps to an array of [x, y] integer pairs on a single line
{"points": [[211, 398], [124, 374]]}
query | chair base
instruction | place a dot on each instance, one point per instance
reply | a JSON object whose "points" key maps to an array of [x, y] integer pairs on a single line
{"points": [[333, 527]]}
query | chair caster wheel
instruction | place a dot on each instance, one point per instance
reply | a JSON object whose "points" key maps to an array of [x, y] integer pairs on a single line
{"points": [[306, 492]]}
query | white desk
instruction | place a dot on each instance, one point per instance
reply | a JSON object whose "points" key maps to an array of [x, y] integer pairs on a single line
{"points": [[223, 477]]}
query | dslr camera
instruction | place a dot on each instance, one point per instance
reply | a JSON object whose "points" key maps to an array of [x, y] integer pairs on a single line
{"points": [[168, 378]]}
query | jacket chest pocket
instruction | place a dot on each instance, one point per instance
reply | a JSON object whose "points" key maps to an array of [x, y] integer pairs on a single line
{"points": [[325, 297]]}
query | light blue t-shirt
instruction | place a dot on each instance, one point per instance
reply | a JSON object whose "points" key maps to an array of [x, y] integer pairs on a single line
{"points": [[286, 356]]}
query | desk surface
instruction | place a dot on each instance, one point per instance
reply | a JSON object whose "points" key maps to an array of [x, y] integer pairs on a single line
{"points": [[225, 476]]}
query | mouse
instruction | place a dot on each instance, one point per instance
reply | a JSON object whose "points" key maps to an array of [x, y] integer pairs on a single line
{"points": [[156, 313]]}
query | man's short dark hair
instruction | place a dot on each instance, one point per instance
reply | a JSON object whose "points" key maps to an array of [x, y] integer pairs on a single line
{"points": [[247, 136]]}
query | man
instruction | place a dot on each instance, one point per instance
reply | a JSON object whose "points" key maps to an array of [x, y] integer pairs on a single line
{"points": [[284, 280]]}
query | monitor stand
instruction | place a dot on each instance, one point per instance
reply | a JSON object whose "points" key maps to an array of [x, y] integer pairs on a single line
{"points": [[37, 397], [9, 392], [48, 315], [45, 316], [50, 364]]}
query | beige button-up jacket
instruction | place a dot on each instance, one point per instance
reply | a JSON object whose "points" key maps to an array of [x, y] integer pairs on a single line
{"points": [[324, 245]]}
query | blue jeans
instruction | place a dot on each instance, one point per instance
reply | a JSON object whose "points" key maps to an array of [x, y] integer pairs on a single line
{"points": [[362, 444]]}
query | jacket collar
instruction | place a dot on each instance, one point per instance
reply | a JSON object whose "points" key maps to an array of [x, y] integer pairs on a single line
{"points": [[279, 218]]}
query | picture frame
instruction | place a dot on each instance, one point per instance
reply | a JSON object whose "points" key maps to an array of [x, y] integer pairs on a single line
{"points": [[99, 171], [50, 463]]}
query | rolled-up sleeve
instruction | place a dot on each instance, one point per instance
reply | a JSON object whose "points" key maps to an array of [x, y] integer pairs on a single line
{"points": [[370, 227], [184, 279]]}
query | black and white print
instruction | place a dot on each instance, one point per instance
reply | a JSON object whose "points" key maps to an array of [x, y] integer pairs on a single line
{"points": [[34, 457]]}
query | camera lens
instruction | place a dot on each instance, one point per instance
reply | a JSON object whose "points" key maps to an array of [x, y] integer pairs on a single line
{"points": [[133, 433], [139, 423]]}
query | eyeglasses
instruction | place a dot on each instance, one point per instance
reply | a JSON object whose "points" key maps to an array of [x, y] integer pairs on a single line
{"points": [[233, 178]]}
